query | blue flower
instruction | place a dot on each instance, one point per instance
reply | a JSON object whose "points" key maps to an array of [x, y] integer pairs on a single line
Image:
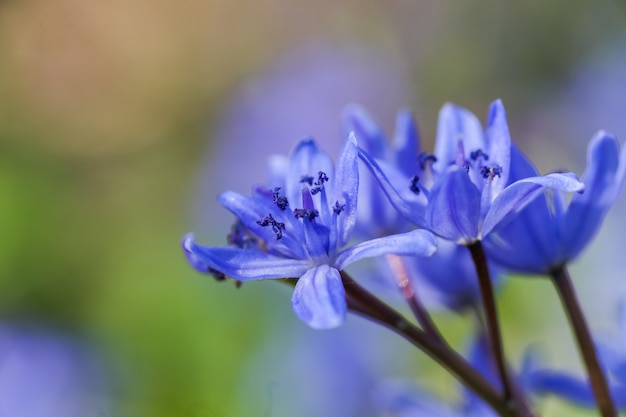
{"points": [[297, 230], [549, 233], [469, 194], [448, 278], [375, 215]]}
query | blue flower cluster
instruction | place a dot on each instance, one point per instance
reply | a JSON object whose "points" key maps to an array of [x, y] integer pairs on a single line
{"points": [[418, 213]]}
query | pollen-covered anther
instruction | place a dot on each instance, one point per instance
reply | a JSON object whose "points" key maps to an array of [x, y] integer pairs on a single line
{"points": [[491, 172], [306, 179], [218, 275], [338, 208], [279, 199], [301, 213], [413, 186], [277, 227], [424, 158], [478, 153], [322, 178]]}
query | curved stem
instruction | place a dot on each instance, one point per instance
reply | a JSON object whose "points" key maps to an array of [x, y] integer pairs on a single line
{"points": [[565, 288], [436, 349], [493, 327], [401, 276]]}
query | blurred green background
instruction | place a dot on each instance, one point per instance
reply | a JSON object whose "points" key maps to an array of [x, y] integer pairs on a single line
{"points": [[110, 113]]}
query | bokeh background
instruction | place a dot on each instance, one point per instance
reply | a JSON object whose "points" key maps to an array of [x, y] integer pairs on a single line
{"points": [[121, 121]]}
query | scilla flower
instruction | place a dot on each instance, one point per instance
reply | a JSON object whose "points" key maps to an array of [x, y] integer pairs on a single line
{"points": [[296, 228], [446, 279], [466, 195], [549, 232]]}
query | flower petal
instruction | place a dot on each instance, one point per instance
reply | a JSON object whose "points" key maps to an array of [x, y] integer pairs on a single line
{"points": [[347, 189], [517, 195], [356, 120], [498, 146], [456, 124], [603, 180], [571, 388], [319, 298], [410, 205], [242, 264], [406, 144], [453, 209], [415, 243], [307, 159]]}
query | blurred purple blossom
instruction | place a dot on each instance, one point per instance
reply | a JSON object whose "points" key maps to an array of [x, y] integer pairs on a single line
{"points": [[47, 374]]}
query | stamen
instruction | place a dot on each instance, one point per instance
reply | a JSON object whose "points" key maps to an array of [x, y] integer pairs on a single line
{"points": [[338, 208], [490, 172], [279, 199], [424, 158], [307, 179], [241, 237], [478, 153], [413, 187], [219, 276], [301, 213], [321, 179], [277, 227]]}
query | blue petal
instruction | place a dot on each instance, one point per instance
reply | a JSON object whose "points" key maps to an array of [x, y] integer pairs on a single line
{"points": [[530, 242], [319, 298], [603, 180], [453, 209], [242, 264], [250, 210], [307, 159], [406, 144], [415, 243], [456, 124], [408, 204], [571, 388], [277, 166], [356, 120], [347, 189], [517, 195], [498, 145]]}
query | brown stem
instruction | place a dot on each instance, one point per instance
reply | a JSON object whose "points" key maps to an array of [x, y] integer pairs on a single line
{"points": [[440, 352], [493, 326], [565, 288], [412, 298]]}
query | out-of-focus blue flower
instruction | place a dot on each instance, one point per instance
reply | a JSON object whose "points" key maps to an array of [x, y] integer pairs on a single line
{"points": [[407, 400], [549, 232], [574, 388], [469, 196], [448, 278], [375, 215], [297, 230], [44, 374]]}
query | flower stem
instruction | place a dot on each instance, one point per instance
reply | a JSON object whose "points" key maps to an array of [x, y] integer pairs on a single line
{"points": [[401, 276], [493, 326], [565, 288], [376, 310]]}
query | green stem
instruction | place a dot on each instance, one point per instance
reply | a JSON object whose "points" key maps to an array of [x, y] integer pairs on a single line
{"points": [[565, 288]]}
